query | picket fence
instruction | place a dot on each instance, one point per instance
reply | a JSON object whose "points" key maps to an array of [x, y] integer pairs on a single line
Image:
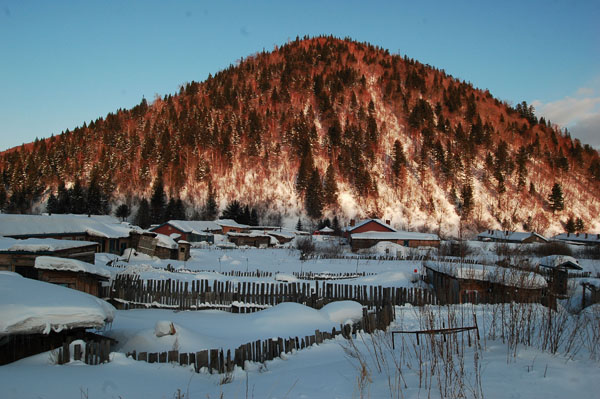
{"points": [[221, 361], [128, 292]]}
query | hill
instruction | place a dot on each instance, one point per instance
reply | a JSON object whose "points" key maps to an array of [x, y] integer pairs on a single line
{"points": [[321, 127]]}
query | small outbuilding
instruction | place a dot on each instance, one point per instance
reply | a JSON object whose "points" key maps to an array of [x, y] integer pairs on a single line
{"points": [[253, 239], [459, 283], [405, 238], [72, 273], [515, 237]]}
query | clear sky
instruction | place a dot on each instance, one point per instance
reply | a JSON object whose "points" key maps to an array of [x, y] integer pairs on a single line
{"points": [[65, 63]]}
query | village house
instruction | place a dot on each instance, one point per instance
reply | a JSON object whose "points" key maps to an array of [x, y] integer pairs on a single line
{"points": [[578, 238], [38, 317], [367, 225], [516, 237], [230, 225], [252, 239], [190, 230], [111, 235], [405, 238], [459, 283], [281, 236], [19, 255], [325, 231], [557, 267], [72, 273], [162, 246]]}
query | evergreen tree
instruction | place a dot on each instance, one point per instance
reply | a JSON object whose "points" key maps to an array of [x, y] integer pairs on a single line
{"points": [[78, 199], [399, 159], [299, 226], [253, 218], [64, 199], [52, 204], [94, 198], [157, 202], [233, 211], [169, 213], [3, 196], [570, 226], [314, 198], [556, 198], [143, 218], [579, 225], [122, 212], [335, 225], [211, 210], [467, 200], [245, 216], [330, 188], [179, 210]]}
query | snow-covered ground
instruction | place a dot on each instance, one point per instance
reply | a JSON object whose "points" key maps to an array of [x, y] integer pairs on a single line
{"points": [[501, 366]]}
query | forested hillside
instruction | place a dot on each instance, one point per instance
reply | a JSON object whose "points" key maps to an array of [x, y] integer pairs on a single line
{"points": [[321, 127]]}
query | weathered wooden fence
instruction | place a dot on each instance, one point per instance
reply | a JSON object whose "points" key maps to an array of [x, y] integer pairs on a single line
{"points": [[93, 354], [244, 297], [366, 257], [223, 361], [330, 276]]}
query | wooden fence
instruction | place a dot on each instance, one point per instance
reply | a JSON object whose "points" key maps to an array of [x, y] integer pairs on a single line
{"points": [[243, 297], [223, 361], [330, 276], [94, 353]]}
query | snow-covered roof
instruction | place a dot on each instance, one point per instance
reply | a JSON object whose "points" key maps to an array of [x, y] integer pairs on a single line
{"points": [[165, 241], [588, 238], [251, 234], [231, 223], [278, 233], [395, 235], [40, 244], [71, 265], [200, 227], [32, 225], [326, 229], [514, 236], [554, 261], [363, 222], [493, 274], [30, 306]]}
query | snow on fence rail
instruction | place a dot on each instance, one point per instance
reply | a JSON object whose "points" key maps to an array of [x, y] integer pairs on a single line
{"points": [[330, 276], [244, 297], [221, 361], [365, 257]]}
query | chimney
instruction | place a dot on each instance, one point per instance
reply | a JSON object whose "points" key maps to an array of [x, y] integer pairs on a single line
{"points": [[568, 234], [586, 235], [351, 222], [387, 221]]}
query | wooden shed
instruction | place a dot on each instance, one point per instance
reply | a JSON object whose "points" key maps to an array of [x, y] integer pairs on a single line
{"points": [[406, 238], [19, 255], [459, 283], [71, 273], [254, 239]]}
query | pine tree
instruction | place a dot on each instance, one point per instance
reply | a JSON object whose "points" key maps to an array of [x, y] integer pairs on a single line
{"points": [[169, 213], [233, 211], [570, 226], [253, 218], [335, 225], [52, 204], [143, 218], [399, 160], [556, 198], [78, 199], [467, 200], [122, 212], [313, 202], [94, 198], [299, 226], [330, 188], [158, 202], [579, 225], [179, 210], [3, 196], [211, 210], [64, 199]]}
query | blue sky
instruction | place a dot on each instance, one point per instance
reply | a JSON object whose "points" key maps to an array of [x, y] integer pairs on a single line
{"points": [[65, 63]]}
